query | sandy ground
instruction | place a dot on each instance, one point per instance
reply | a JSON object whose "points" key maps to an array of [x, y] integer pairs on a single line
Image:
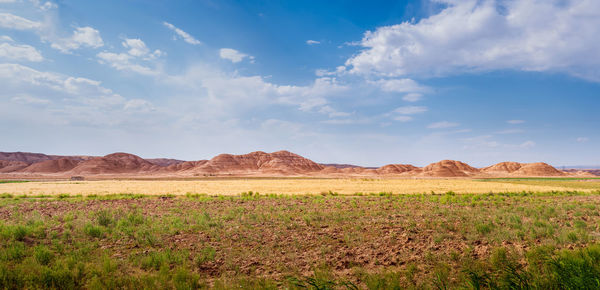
{"points": [[271, 186]]}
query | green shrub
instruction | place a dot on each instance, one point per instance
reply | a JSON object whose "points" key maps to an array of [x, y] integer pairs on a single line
{"points": [[207, 254], [104, 218], [42, 255], [93, 231]]}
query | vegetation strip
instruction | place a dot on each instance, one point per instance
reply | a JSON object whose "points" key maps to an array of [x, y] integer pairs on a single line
{"points": [[376, 241]]}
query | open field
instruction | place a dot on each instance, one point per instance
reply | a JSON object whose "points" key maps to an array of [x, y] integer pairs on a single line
{"points": [[301, 233], [505, 241], [296, 186]]}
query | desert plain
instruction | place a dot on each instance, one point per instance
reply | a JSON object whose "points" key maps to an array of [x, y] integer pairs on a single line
{"points": [[280, 221]]}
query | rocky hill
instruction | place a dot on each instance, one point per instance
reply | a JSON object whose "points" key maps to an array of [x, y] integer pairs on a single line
{"points": [[280, 163]]}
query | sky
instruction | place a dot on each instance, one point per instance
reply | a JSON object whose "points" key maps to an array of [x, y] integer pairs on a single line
{"points": [[360, 82]]}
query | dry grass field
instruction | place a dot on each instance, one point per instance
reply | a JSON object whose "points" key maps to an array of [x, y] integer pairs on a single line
{"points": [[294, 186], [301, 234]]}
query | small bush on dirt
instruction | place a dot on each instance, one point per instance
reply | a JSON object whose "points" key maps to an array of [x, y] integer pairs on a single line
{"points": [[93, 231], [484, 228], [42, 255], [207, 254], [104, 218]]}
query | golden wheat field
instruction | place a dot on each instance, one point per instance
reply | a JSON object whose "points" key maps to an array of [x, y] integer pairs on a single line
{"points": [[284, 186]]}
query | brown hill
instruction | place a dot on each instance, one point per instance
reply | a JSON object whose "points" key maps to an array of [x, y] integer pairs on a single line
{"points": [[592, 172], [537, 169], [114, 163], [503, 168], [11, 166], [449, 168], [52, 166], [397, 169], [280, 162], [26, 157], [342, 166], [186, 165], [164, 161]]}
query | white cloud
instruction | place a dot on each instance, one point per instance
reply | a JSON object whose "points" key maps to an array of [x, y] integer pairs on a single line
{"points": [[312, 42], [403, 118], [138, 105], [29, 100], [515, 122], [347, 121], [19, 52], [331, 112], [233, 55], [527, 144], [11, 21], [473, 36], [410, 110], [340, 70], [400, 86], [412, 97], [510, 131], [82, 37], [68, 99], [400, 114], [44, 6], [138, 58], [582, 139], [229, 94], [6, 38], [184, 35], [483, 141], [124, 62], [138, 48], [442, 125]]}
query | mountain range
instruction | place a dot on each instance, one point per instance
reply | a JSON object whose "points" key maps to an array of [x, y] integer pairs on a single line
{"points": [[280, 163]]}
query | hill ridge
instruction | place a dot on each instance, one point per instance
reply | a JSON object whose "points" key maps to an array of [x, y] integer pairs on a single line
{"points": [[257, 163]]}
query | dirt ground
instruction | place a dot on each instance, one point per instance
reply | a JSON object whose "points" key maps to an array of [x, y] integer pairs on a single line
{"points": [[294, 236]]}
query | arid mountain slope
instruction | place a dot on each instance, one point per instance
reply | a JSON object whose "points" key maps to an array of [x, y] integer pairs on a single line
{"points": [[52, 166], [114, 163], [11, 166], [164, 161], [28, 158], [522, 169], [503, 168], [280, 163], [537, 169], [449, 168], [398, 169]]}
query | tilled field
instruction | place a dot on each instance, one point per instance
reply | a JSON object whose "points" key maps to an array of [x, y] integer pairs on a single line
{"points": [[322, 241]]}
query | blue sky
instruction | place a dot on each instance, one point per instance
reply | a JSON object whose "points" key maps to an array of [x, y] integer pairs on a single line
{"points": [[369, 83]]}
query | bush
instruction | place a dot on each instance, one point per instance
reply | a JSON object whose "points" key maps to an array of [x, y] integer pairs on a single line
{"points": [[42, 255], [206, 255], [93, 231]]}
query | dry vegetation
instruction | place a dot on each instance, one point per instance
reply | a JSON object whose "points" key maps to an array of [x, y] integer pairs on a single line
{"points": [[293, 186], [370, 237]]}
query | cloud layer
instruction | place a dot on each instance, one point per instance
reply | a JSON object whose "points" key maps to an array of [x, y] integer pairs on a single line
{"points": [[476, 36]]}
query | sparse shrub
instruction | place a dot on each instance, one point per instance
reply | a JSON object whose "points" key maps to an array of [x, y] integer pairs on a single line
{"points": [[19, 232], [484, 228], [13, 252], [42, 255], [93, 230], [104, 218], [207, 254], [580, 224]]}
